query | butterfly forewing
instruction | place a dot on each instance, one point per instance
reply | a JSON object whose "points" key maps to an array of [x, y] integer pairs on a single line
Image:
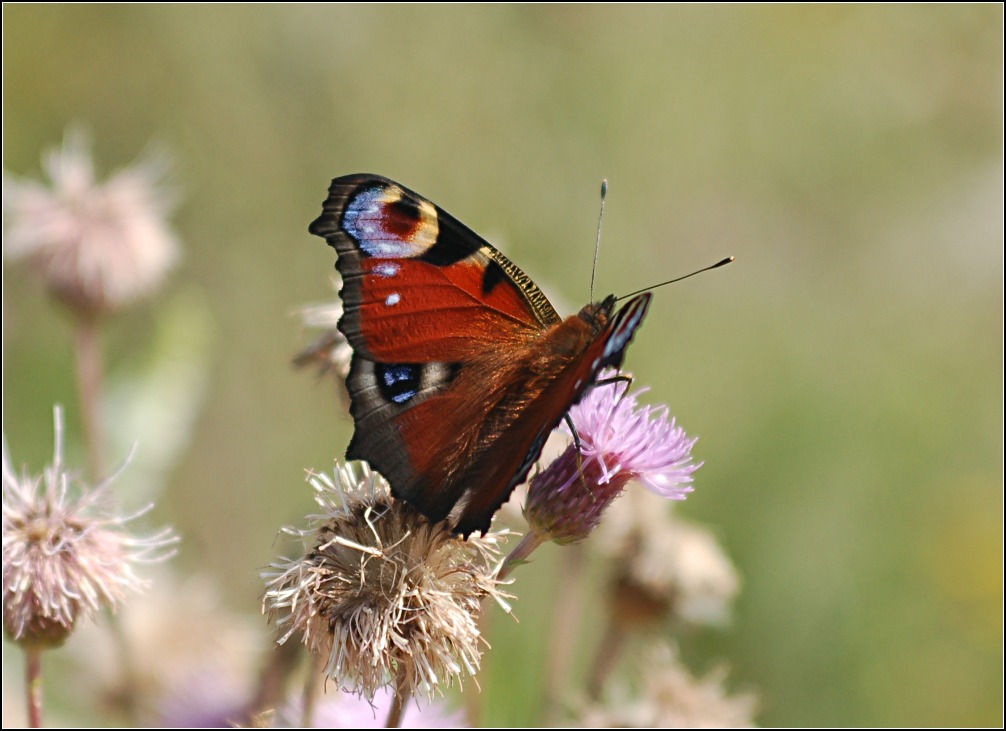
{"points": [[417, 282]]}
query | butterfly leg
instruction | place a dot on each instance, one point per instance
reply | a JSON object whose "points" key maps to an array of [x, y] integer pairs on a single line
{"points": [[576, 435], [579, 452], [620, 378]]}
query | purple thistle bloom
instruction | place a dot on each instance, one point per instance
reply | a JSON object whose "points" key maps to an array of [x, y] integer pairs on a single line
{"points": [[619, 442]]}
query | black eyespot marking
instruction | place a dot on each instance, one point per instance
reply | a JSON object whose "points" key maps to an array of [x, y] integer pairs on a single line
{"points": [[398, 382], [454, 243], [493, 276]]}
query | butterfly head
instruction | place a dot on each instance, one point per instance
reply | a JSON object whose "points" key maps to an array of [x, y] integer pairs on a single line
{"points": [[615, 329]]}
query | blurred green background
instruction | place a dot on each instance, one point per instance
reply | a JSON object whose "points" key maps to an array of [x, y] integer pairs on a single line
{"points": [[845, 375]]}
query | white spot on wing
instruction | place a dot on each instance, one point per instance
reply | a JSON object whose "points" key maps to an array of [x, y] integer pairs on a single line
{"points": [[393, 299]]}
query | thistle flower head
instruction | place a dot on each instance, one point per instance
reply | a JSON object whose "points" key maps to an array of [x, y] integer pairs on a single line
{"points": [[619, 442], [65, 557], [380, 593], [97, 246]]}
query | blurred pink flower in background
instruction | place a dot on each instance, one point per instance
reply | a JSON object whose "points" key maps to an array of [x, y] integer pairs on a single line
{"points": [[97, 246]]}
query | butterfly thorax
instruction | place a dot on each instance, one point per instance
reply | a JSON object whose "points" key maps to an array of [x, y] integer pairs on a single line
{"points": [[598, 314]]}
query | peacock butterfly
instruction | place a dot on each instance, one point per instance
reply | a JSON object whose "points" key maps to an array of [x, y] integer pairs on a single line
{"points": [[461, 367]]}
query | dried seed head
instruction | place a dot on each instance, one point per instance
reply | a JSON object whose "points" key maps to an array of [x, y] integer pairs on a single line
{"points": [[380, 593], [330, 352], [668, 696], [676, 568]]}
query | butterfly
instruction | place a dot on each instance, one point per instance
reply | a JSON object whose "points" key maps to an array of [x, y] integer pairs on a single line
{"points": [[461, 367]]}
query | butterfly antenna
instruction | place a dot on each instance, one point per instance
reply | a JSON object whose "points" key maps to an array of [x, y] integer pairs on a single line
{"points": [[717, 265], [597, 242]]}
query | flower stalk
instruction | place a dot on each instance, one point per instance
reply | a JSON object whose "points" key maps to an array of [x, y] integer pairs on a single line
{"points": [[564, 638], [528, 544], [403, 692], [33, 684], [87, 349], [606, 657]]}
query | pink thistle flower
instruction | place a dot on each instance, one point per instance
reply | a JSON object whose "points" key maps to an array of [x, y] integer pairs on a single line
{"points": [[619, 442], [65, 557]]}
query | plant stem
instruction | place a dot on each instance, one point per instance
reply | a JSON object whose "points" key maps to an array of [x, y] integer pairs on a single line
{"points": [[565, 632], [527, 544], [607, 656], [87, 345], [277, 669], [473, 702], [129, 695], [312, 689], [403, 692], [33, 685]]}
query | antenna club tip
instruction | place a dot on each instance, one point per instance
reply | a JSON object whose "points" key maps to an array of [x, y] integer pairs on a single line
{"points": [[604, 187]]}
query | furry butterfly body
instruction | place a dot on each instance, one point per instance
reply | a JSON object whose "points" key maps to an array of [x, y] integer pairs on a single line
{"points": [[461, 367]]}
